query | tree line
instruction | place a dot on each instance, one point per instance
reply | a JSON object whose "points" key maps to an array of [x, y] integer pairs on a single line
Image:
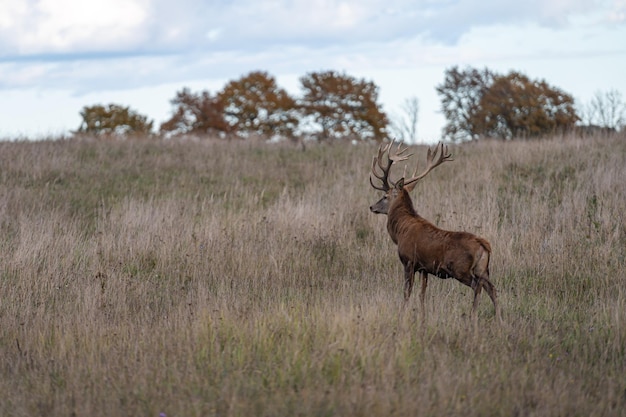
{"points": [[477, 103], [333, 106]]}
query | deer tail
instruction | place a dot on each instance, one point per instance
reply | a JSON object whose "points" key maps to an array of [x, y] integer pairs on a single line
{"points": [[481, 262], [484, 243]]}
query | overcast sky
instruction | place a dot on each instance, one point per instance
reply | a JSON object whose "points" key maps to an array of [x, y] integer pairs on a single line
{"points": [[57, 56]]}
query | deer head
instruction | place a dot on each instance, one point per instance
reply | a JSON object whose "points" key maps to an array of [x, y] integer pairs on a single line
{"points": [[392, 189]]}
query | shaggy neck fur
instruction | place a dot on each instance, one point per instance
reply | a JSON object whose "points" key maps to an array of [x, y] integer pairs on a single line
{"points": [[400, 209]]}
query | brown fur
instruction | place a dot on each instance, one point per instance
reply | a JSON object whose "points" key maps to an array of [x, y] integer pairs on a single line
{"points": [[427, 249]]}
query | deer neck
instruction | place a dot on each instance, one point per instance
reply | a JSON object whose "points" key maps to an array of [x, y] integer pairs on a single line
{"points": [[400, 210]]}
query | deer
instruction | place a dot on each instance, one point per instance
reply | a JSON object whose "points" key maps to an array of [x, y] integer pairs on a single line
{"points": [[422, 246]]}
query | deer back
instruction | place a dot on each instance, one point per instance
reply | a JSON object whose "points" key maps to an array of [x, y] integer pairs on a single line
{"points": [[429, 247]]}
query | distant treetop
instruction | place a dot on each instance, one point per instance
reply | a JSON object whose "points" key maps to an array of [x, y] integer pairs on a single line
{"points": [[113, 120], [481, 103]]}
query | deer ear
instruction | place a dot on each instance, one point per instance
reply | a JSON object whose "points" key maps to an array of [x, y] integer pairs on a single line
{"points": [[400, 183]]}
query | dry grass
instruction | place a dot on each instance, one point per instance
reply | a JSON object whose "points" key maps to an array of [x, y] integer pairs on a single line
{"points": [[200, 279]]}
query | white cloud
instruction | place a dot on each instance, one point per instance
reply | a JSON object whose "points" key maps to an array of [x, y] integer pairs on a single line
{"points": [[71, 26], [617, 14], [559, 11], [48, 27], [12, 11]]}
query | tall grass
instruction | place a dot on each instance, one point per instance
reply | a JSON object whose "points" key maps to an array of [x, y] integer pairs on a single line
{"points": [[237, 279]]}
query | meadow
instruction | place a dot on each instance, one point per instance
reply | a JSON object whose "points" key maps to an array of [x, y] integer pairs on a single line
{"points": [[214, 278]]}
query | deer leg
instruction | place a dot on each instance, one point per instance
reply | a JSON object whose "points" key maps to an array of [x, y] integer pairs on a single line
{"points": [[409, 277], [472, 282], [477, 284], [491, 290], [424, 275]]}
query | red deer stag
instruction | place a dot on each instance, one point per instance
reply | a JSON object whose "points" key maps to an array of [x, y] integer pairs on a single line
{"points": [[422, 246]]}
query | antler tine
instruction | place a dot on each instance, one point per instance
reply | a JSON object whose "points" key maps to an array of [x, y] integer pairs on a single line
{"points": [[378, 161], [376, 187], [400, 154], [397, 156], [385, 169], [381, 152], [443, 155], [380, 177], [434, 158]]}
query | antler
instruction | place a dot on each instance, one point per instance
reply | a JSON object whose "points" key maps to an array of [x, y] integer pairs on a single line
{"points": [[433, 159], [399, 155]]}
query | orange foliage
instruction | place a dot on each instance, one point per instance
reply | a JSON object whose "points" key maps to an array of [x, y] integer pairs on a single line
{"points": [[343, 106], [516, 106], [484, 104], [113, 119], [199, 113], [255, 104]]}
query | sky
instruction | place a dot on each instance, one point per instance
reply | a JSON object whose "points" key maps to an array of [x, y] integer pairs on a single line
{"points": [[57, 56]]}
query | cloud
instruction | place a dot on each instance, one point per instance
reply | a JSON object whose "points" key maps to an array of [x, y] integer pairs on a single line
{"points": [[71, 26], [449, 21], [617, 14], [47, 28], [102, 44]]}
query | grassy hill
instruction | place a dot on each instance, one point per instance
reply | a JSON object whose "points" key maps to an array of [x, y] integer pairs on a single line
{"points": [[237, 279]]}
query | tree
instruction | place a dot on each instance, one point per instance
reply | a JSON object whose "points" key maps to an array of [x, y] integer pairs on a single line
{"points": [[113, 119], [484, 104], [606, 110], [461, 93], [405, 125], [255, 104], [196, 113], [516, 106], [342, 106]]}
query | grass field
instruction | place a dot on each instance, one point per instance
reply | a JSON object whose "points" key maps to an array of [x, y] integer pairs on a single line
{"points": [[209, 278]]}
